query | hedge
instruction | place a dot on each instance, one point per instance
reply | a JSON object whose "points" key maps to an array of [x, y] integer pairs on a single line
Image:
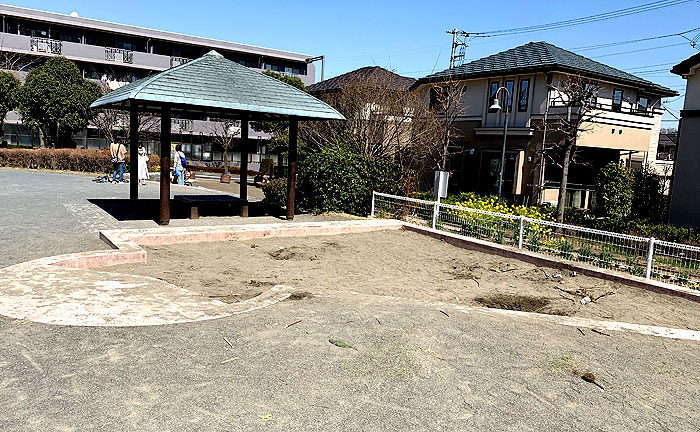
{"points": [[81, 160]]}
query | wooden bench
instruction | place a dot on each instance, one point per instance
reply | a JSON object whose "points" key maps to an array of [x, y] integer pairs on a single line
{"points": [[216, 204]]}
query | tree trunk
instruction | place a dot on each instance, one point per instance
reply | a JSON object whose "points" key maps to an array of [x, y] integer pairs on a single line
{"points": [[561, 200], [226, 160]]}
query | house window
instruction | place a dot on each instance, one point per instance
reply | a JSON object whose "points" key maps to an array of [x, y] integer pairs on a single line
{"points": [[643, 104], [617, 100], [523, 94], [493, 89], [510, 85]]}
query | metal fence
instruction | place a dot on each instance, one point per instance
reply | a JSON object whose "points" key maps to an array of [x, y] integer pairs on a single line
{"points": [[673, 263]]}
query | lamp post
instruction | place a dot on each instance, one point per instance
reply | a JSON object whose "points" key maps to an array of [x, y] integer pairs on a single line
{"points": [[506, 110]]}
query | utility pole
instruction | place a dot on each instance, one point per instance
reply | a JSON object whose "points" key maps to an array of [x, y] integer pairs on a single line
{"points": [[457, 42], [323, 63]]}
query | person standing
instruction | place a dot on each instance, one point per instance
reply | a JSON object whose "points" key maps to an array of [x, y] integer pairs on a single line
{"points": [[143, 165], [180, 162], [118, 152]]}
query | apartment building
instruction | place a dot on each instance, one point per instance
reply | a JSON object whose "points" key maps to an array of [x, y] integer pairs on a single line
{"points": [[116, 54], [626, 127]]}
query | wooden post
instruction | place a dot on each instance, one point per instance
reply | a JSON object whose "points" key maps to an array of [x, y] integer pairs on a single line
{"points": [[133, 152], [165, 165], [280, 169], [244, 165], [292, 167]]}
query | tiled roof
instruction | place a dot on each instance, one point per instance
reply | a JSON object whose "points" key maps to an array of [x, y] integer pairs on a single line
{"points": [[396, 81], [214, 84], [684, 67], [541, 57]]}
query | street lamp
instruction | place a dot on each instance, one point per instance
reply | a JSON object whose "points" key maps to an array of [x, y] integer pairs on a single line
{"points": [[506, 110]]}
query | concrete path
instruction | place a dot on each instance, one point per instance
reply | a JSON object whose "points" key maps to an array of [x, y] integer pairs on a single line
{"points": [[48, 213]]}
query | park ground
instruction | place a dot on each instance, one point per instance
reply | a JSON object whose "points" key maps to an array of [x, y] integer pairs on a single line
{"points": [[335, 358]]}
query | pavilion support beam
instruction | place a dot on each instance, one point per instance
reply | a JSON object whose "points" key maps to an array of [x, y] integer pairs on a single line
{"points": [[165, 138], [280, 169], [134, 152], [292, 167], [244, 165]]}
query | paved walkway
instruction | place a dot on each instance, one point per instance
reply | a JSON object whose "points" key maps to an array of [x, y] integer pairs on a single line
{"points": [[47, 213]]}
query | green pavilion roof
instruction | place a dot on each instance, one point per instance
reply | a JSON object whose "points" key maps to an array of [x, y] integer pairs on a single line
{"points": [[214, 86]]}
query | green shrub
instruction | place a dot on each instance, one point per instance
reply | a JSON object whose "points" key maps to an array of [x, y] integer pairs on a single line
{"points": [[267, 167], [275, 192], [648, 199], [585, 254], [96, 161], [565, 248], [336, 180], [614, 191], [605, 258]]}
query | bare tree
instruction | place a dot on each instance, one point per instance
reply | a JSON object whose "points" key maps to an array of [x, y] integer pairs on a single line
{"points": [[446, 101], [576, 97], [224, 131], [384, 119], [115, 123]]}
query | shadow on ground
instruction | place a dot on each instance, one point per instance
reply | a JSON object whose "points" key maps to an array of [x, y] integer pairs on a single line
{"points": [[180, 207]]}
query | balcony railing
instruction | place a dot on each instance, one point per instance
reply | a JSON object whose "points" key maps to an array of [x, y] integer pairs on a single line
{"points": [[182, 124], [177, 61], [46, 45], [648, 112], [119, 55]]}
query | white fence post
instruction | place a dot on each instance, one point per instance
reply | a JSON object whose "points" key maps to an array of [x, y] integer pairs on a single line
{"points": [[436, 210], [371, 212], [650, 257], [522, 232]]}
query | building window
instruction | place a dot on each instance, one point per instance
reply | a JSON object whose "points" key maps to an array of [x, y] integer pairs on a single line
{"points": [[493, 89], [510, 86], [617, 100], [523, 94], [643, 104]]}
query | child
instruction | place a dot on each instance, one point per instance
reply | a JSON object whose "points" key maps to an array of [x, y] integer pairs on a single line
{"points": [[143, 165]]}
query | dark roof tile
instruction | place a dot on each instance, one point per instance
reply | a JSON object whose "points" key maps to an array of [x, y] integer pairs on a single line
{"points": [[538, 57], [334, 84]]}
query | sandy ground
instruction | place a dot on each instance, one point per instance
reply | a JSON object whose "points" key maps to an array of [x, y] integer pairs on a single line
{"points": [[408, 265]]}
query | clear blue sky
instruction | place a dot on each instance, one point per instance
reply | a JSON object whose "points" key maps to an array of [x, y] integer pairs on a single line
{"points": [[409, 36]]}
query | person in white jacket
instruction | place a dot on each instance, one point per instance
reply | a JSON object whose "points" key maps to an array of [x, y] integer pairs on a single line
{"points": [[143, 165]]}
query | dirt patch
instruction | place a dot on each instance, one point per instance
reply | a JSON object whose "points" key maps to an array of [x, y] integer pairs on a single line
{"points": [[513, 302], [300, 295], [405, 264]]}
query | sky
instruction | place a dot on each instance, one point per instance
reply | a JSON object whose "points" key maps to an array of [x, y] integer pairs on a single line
{"points": [[409, 37]]}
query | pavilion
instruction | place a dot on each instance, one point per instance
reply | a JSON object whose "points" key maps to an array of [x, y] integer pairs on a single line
{"points": [[212, 86]]}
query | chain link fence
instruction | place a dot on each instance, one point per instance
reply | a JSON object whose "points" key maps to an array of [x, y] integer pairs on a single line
{"points": [[673, 263]]}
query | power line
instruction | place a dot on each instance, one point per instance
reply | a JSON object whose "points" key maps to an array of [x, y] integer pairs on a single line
{"points": [[639, 50], [646, 7], [612, 44]]}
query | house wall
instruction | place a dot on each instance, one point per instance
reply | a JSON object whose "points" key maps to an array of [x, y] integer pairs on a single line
{"points": [[685, 205], [481, 132]]}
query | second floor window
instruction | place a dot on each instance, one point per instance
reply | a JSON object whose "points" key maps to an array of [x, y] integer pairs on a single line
{"points": [[523, 94], [643, 104], [510, 86], [493, 89], [617, 100]]}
